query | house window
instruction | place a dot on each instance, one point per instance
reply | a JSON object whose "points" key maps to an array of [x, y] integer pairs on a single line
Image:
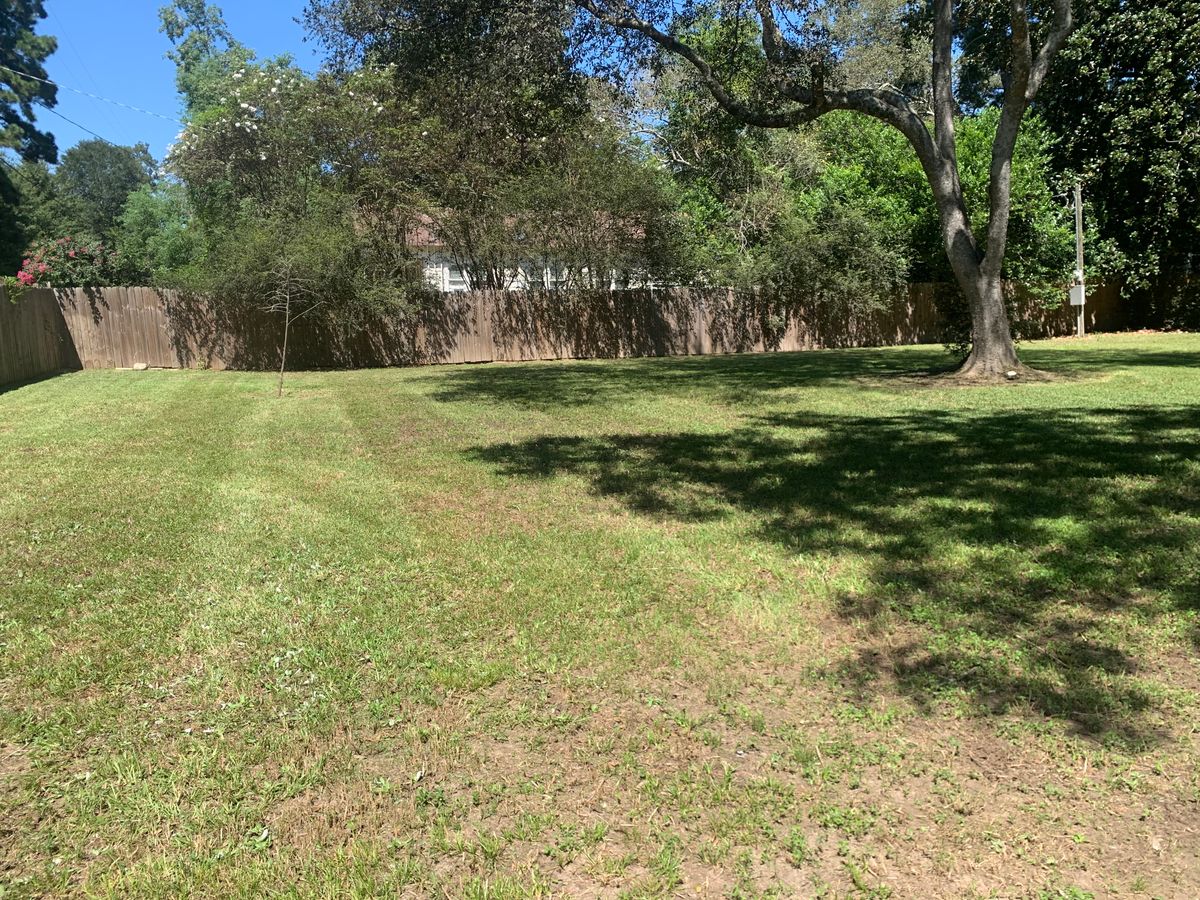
{"points": [[435, 277], [517, 279], [557, 279], [530, 277], [456, 280]]}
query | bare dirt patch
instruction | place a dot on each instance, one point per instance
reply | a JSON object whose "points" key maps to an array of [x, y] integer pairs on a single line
{"points": [[17, 813], [687, 782]]}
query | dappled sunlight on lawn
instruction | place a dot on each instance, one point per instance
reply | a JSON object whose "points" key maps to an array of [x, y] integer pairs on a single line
{"points": [[1020, 545]]}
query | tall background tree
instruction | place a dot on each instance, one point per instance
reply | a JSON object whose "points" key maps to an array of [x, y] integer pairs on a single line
{"points": [[1123, 101], [203, 49], [82, 202], [24, 51], [269, 166], [93, 182], [839, 213], [516, 164]]}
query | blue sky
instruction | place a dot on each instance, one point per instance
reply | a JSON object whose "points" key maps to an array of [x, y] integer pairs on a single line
{"points": [[113, 48]]}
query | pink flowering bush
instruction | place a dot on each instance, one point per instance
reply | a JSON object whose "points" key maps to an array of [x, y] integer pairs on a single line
{"points": [[13, 287], [70, 262]]}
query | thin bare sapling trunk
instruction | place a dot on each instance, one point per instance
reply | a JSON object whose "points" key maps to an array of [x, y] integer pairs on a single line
{"points": [[290, 288]]}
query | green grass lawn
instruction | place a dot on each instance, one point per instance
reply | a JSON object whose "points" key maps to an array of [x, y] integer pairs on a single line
{"points": [[791, 625]]}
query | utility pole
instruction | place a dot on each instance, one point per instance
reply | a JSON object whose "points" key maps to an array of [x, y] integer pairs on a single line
{"points": [[1078, 291]]}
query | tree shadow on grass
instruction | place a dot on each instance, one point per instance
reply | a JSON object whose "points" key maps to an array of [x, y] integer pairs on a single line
{"points": [[736, 377], [1011, 558], [1090, 360], [746, 377], [10, 386]]}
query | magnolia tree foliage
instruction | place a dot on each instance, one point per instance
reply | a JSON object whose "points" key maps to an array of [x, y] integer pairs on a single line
{"points": [[271, 166], [1121, 105], [1124, 102]]}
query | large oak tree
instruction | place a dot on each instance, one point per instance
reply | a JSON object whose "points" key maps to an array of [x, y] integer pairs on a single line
{"points": [[807, 68]]}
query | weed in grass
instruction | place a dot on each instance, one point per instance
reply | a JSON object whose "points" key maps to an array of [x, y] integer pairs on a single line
{"points": [[667, 863], [505, 888], [1066, 893], [864, 889], [850, 820], [797, 847]]}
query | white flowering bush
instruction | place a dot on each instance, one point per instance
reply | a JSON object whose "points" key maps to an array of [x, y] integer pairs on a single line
{"points": [[281, 151]]}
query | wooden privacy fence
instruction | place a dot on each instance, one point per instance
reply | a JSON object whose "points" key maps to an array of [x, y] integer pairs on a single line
{"points": [[52, 330], [34, 338]]}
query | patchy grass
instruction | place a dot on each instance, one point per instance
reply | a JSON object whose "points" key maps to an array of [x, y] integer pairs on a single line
{"points": [[757, 626]]}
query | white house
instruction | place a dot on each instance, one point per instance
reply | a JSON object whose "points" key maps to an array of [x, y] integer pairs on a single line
{"points": [[441, 270]]}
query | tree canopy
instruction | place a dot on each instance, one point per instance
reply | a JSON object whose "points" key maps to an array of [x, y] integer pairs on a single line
{"points": [[1124, 105], [94, 181], [801, 67], [22, 53], [203, 49], [825, 151]]}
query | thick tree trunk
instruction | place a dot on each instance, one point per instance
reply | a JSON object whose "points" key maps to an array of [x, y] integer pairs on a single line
{"points": [[993, 354]]}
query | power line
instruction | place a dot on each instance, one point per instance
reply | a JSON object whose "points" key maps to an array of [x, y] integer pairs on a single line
{"points": [[79, 58], [93, 96], [70, 43], [76, 124]]}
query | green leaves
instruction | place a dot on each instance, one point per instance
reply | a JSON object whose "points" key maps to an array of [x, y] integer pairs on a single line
{"points": [[94, 181], [156, 235], [842, 211], [24, 51], [82, 198], [1124, 101], [204, 51]]}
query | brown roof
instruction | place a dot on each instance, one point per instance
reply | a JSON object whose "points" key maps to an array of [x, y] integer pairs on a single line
{"points": [[422, 231]]}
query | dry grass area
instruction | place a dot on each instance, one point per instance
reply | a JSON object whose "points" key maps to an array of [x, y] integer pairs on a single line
{"points": [[774, 626]]}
